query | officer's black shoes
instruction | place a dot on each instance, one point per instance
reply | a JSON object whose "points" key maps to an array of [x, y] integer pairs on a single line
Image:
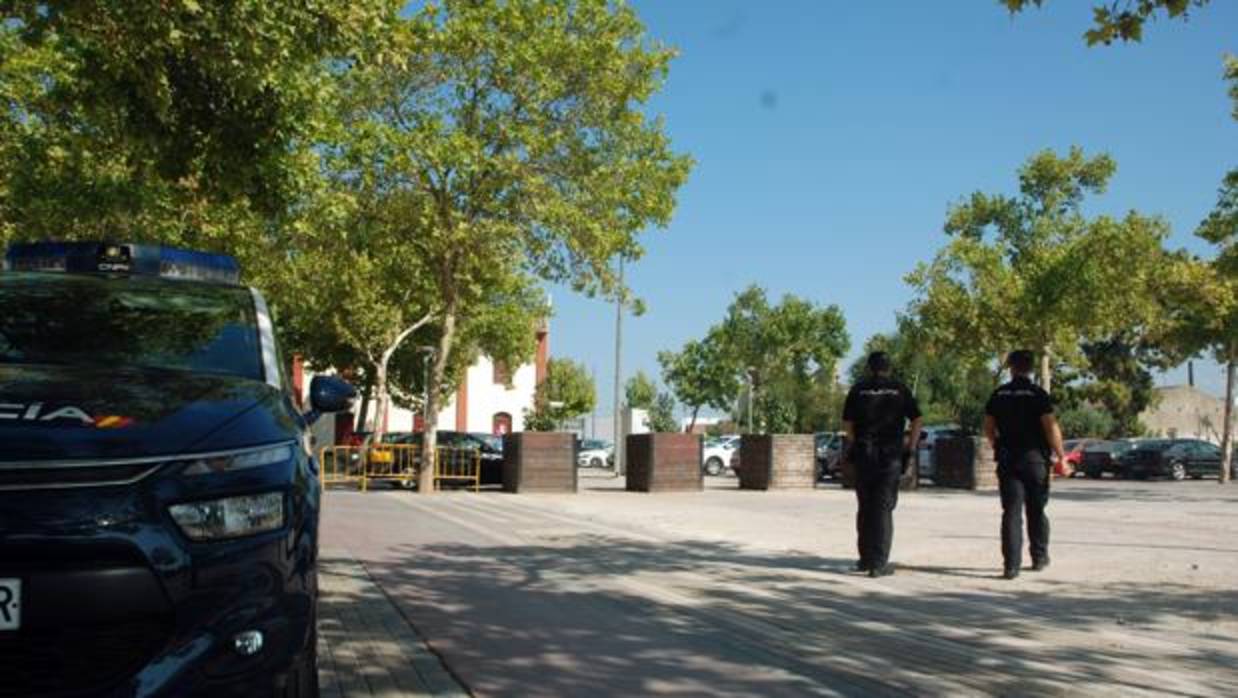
{"points": [[883, 571], [1010, 573], [861, 566], [1039, 565]]}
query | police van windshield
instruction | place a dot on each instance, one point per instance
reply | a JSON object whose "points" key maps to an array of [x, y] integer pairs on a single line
{"points": [[67, 319]]}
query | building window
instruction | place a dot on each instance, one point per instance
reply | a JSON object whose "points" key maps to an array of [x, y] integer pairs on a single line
{"points": [[502, 374], [501, 424]]}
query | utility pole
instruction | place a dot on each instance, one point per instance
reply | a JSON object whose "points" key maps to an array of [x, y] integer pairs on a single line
{"points": [[618, 433], [1227, 430], [592, 433]]}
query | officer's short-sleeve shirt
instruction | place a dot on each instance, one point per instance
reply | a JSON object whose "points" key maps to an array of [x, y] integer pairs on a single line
{"points": [[879, 408], [1017, 408]]}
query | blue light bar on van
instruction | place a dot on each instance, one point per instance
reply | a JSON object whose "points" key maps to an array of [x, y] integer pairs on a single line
{"points": [[110, 258]]}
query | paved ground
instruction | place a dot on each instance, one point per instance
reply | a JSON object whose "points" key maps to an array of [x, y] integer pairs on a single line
{"points": [[730, 593], [365, 647]]}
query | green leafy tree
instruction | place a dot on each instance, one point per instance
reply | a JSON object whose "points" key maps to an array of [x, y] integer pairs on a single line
{"points": [[1122, 19], [1120, 369], [662, 414], [507, 139], [1204, 299], [700, 375], [347, 301], [1033, 271], [951, 386], [567, 392], [782, 350], [187, 122], [791, 403], [640, 392], [1084, 421]]}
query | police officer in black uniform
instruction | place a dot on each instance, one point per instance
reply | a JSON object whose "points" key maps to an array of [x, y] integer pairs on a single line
{"points": [[874, 417], [1023, 432]]}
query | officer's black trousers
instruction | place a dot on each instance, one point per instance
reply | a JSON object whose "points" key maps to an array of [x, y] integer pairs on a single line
{"points": [[1024, 480], [877, 472]]}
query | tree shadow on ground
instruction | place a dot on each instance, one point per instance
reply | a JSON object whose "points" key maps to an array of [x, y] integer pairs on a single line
{"points": [[598, 615], [365, 646]]}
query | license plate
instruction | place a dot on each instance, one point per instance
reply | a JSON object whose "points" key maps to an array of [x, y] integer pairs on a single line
{"points": [[10, 604]]}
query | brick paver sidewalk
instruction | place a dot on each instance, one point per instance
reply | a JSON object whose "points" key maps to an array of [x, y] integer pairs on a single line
{"points": [[365, 647]]}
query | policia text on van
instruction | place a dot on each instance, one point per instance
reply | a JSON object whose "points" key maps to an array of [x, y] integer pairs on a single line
{"points": [[158, 498]]}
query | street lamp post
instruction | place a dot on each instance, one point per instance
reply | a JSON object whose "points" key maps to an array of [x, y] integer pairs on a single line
{"points": [[618, 418]]}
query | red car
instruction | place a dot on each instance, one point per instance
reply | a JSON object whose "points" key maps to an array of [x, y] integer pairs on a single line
{"points": [[1074, 457]]}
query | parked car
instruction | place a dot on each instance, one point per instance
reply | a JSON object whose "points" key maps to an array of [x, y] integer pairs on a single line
{"points": [[159, 502], [1100, 457], [1176, 459], [829, 450], [716, 454], [929, 438], [595, 453], [489, 446], [1074, 449]]}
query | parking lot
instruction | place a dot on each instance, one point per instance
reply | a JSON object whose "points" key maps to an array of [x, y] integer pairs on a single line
{"points": [[740, 593]]}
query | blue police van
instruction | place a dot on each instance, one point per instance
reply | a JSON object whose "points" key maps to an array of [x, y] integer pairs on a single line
{"points": [[159, 497]]}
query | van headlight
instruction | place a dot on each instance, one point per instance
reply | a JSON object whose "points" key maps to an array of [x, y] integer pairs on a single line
{"points": [[231, 517], [238, 460]]}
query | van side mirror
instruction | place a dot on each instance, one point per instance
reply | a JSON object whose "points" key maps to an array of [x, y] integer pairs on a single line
{"points": [[329, 394]]}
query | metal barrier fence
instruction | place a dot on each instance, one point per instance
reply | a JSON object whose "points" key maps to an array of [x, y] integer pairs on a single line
{"points": [[341, 465], [398, 463], [458, 465]]}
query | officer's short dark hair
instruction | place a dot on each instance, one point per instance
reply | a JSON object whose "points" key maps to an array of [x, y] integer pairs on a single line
{"points": [[879, 362], [1021, 361]]}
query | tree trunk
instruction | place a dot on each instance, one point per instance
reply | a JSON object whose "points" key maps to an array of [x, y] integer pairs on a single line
{"points": [[1046, 369], [380, 401], [429, 439], [380, 373], [692, 423], [363, 414], [755, 389], [1227, 432]]}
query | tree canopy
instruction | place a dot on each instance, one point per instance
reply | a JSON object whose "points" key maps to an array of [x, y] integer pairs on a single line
{"points": [[640, 392], [1206, 297], [700, 375], [788, 352], [951, 387], [1032, 271], [191, 123], [567, 392], [1122, 20], [507, 140]]}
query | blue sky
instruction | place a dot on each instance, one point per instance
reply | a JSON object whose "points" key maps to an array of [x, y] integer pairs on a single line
{"points": [[830, 138]]}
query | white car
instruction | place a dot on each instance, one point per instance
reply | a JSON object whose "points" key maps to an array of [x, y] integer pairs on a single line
{"points": [[595, 453], [716, 454], [929, 437]]}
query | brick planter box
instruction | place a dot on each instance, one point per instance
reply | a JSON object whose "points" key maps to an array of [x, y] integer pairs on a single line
{"points": [[909, 481], [664, 463], [965, 463], [539, 462], [777, 461]]}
